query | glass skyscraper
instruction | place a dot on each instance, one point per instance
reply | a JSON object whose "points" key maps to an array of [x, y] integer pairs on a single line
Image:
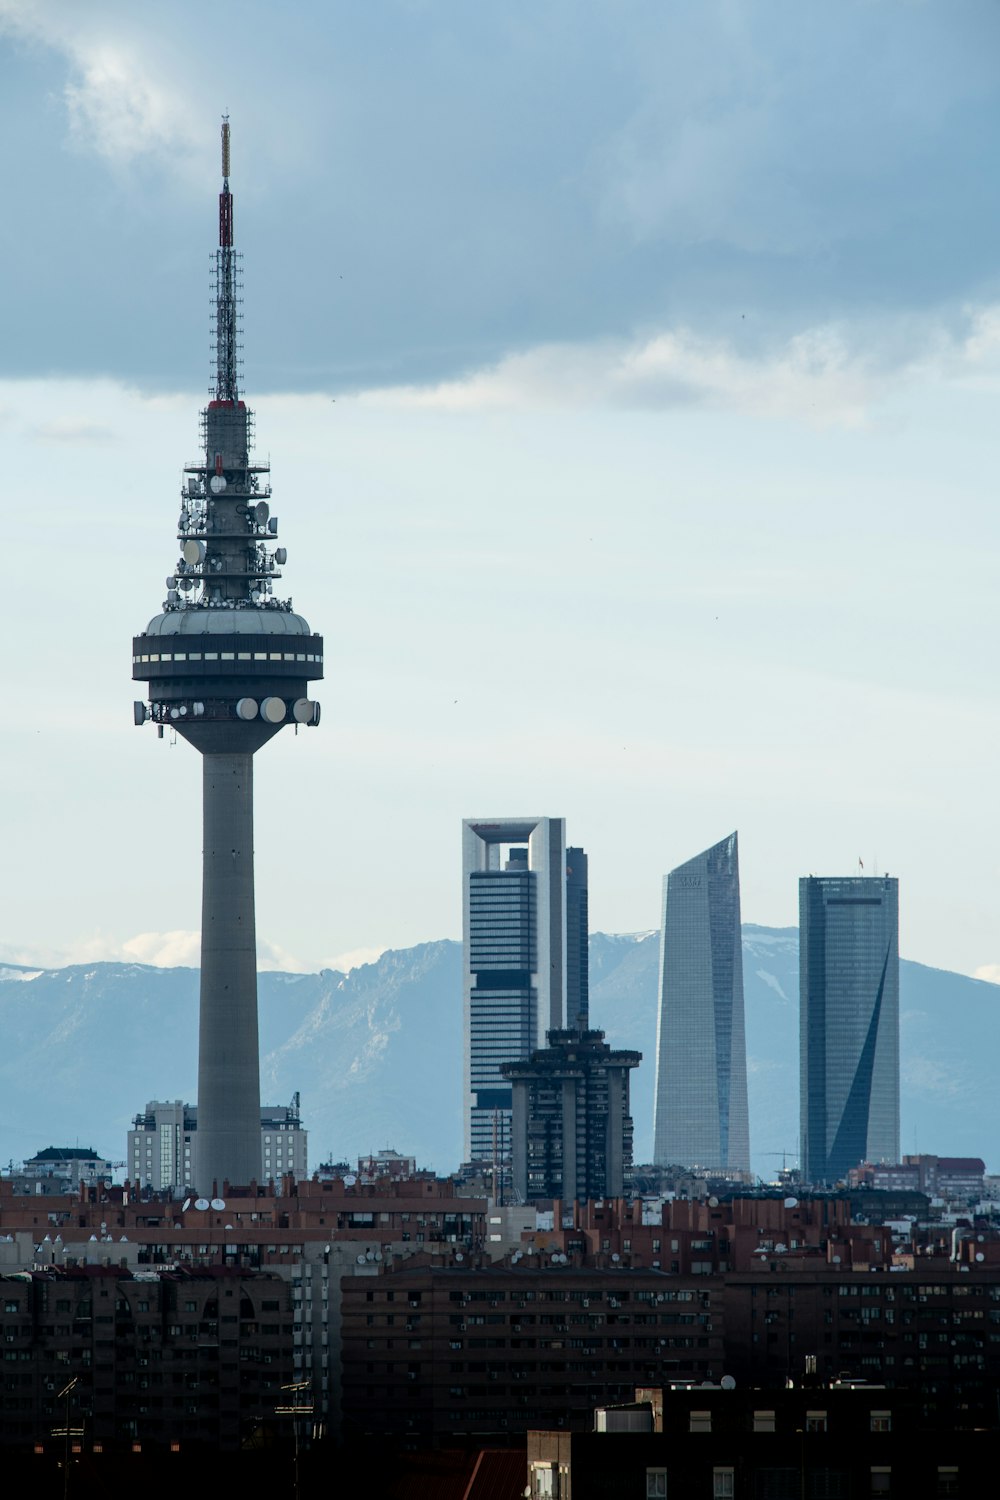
{"points": [[514, 939], [701, 1064], [848, 1023]]}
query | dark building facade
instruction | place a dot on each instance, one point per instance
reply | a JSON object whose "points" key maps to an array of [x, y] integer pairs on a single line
{"points": [[577, 941], [571, 1135], [815, 1442], [702, 1115], [157, 1359], [848, 1023]]}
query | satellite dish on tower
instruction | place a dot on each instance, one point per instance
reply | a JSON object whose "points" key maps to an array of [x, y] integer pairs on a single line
{"points": [[261, 511], [217, 484]]}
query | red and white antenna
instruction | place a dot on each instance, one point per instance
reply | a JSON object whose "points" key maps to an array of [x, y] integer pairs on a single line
{"points": [[226, 282]]}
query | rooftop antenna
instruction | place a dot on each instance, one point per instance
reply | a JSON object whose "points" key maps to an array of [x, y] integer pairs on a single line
{"points": [[226, 286]]}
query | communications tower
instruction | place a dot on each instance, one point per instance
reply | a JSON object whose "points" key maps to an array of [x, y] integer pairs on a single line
{"points": [[228, 665]]}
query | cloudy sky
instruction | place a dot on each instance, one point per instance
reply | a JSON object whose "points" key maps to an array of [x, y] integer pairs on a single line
{"points": [[629, 373]]}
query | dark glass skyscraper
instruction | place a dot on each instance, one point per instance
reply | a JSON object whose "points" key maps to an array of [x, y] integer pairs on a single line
{"points": [[701, 1066], [848, 1023]]}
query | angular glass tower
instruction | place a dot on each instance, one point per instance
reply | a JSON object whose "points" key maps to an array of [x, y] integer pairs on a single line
{"points": [[848, 1023], [701, 1063]]}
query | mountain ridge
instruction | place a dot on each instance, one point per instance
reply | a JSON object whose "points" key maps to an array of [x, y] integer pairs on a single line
{"points": [[376, 1052]]}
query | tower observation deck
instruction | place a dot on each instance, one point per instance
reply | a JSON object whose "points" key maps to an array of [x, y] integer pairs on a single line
{"points": [[227, 666]]}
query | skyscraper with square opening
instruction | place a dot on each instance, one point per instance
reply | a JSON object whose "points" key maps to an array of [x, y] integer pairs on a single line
{"points": [[515, 970], [848, 1023], [701, 1114]]}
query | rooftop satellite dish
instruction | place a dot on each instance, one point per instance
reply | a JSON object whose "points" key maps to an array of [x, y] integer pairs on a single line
{"points": [[217, 484], [459, 1255], [728, 1383], [836, 1260], [201, 1204], [219, 1203], [261, 511], [791, 1202], [713, 1202], [350, 1180], [616, 1257], [229, 1226], [185, 1205], [377, 1255], [361, 1260], [980, 1256]]}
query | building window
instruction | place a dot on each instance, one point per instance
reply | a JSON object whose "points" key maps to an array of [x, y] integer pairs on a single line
{"points": [[656, 1484], [763, 1421], [881, 1421], [947, 1482], [815, 1421], [544, 1482], [881, 1482], [722, 1484], [701, 1421]]}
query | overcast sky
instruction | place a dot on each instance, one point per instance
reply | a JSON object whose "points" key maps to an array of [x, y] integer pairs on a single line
{"points": [[629, 374]]}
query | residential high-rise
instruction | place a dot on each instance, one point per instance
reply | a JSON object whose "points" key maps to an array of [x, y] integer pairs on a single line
{"points": [[227, 665], [162, 1150], [848, 1023], [701, 1116], [571, 1124], [514, 941]]}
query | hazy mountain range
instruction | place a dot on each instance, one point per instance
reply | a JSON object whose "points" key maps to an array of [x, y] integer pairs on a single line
{"points": [[376, 1053]]}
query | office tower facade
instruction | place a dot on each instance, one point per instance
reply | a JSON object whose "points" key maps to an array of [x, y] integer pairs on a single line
{"points": [[577, 942], [514, 947], [701, 1114], [227, 666], [162, 1147], [571, 1127], [848, 1023]]}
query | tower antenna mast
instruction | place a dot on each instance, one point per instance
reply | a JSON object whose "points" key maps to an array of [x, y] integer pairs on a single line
{"points": [[226, 284]]}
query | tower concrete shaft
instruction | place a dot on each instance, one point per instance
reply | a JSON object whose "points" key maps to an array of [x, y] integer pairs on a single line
{"points": [[227, 666], [228, 1060]]}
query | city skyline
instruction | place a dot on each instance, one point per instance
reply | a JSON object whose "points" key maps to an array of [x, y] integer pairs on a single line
{"points": [[658, 364]]}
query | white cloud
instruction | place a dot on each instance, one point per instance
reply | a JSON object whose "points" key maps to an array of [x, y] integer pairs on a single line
{"points": [[115, 104], [829, 375], [989, 972], [179, 948], [354, 958]]}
